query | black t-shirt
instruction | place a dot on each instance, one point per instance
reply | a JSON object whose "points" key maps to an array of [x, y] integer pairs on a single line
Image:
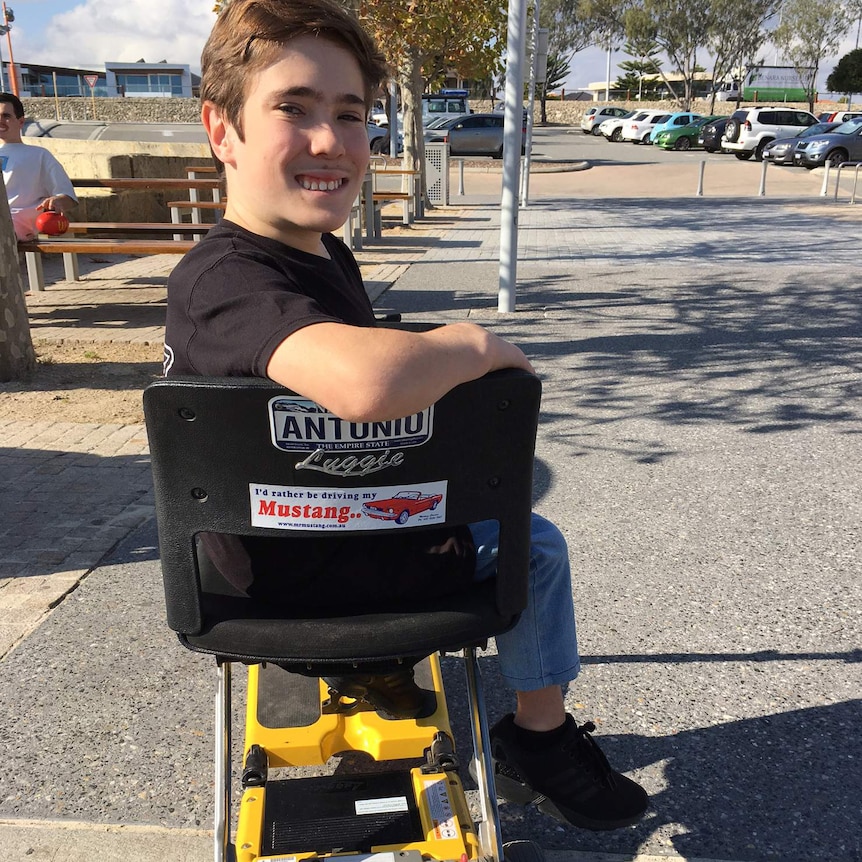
{"points": [[236, 296], [231, 301]]}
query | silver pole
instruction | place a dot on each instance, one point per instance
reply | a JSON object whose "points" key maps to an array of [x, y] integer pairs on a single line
{"points": [[515, 41], [531, 102], [393, 120], [761, 192], [699, 192]]}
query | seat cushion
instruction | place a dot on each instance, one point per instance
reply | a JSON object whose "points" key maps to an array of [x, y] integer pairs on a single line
{"points": [[241, 629]]}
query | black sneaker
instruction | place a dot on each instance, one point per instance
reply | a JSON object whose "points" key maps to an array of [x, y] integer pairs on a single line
{"points": [[571, 779], [394, 694]]}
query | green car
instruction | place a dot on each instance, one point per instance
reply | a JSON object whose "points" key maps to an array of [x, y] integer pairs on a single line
{"points": [[683, 138]]}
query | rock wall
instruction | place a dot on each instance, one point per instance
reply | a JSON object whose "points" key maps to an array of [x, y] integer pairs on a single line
{"points": [[130, 110]]}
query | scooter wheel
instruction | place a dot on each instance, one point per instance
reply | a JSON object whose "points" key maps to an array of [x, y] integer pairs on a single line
{"points": [[523, 851]]}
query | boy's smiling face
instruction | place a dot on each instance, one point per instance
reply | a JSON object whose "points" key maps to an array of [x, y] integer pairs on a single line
{"points": [[10, 125], [305, 153]]}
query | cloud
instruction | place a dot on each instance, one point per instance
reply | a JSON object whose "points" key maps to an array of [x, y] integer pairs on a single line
{"points": [[97, 31]]}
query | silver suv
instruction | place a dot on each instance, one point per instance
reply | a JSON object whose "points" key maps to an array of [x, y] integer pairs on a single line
{"points": [[749, 130]]}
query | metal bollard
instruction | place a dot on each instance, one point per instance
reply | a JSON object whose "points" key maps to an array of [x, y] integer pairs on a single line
{"points": [[461, 177], [699, 192], [824, 189], [761, 192]]}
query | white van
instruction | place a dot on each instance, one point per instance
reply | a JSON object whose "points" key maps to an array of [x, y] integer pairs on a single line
{"points": [[729, 91], [446, 104]]}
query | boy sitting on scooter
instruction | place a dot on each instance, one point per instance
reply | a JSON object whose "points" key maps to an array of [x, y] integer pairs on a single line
{"points": [[270, 292]]}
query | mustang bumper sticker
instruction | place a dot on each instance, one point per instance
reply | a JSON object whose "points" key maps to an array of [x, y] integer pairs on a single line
{"points": [[282, 507]]}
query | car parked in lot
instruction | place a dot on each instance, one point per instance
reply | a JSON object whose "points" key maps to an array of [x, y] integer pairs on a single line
{"points": [[473, 135], [638, 128], [612, 129], [674, 121], [750, 130], [376, 134], [681, 137], [594, 117], [843, 116], [780, 152], [710, 135], [842, 144]]}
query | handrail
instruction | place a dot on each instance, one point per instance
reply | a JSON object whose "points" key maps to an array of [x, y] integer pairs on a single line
{"points": [[838, 169]]}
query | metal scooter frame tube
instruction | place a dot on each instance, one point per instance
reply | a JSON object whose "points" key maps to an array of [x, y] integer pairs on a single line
{"points": [[490, 835], [221, 830]]}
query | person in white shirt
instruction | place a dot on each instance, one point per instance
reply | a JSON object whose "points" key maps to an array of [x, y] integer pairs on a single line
{"points": [[35, 180]]}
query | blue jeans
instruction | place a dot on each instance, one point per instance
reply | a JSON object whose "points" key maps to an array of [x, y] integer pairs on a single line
{"points": [[542, 648]]}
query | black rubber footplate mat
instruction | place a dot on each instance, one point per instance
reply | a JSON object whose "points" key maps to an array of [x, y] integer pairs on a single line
{"points": [[340, 813]]}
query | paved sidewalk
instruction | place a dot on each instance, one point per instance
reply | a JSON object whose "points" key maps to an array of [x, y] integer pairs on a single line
{"points": [[700, 448]]}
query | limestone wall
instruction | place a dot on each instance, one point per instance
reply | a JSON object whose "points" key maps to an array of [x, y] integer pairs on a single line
{"points": [[125, 159], [188, 110]]}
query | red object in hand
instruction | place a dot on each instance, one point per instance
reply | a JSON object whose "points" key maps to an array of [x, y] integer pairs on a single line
{"points": [[52, 223]]}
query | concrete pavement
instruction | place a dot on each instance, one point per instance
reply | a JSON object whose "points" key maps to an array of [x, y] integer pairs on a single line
{"points": [[699, 448]]}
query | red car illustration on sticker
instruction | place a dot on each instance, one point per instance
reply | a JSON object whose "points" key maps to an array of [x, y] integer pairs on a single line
{"points": [[402, 506]]}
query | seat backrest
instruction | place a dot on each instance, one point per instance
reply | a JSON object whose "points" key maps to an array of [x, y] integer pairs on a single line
{"points": [[249, 458]]}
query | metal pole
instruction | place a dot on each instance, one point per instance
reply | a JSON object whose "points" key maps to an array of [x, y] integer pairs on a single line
{"points": [[761, 192], [531, 102], [608, 74], [515, 41], [824, 189], [13, 78], [393, 120], [699, 191]]}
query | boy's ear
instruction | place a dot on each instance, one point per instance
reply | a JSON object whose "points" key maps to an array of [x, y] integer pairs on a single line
{"points": [[220, 132]]}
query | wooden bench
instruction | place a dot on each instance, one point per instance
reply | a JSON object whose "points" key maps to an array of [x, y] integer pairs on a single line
{"points": [[409, 197], [351, 232], [146, 183], [114, 227], [70, 248]]}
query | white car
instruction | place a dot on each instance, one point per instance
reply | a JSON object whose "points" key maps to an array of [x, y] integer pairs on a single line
{"points": [[612, 129], [594, 117], [637, 129], [750, 130]]}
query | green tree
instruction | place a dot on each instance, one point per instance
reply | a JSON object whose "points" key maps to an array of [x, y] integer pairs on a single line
{"points": [[643, 70], [568, 33], [737, 32], [846, 77], [809, 32], [421, 40], [605, 20], [679, 29], [640, 77]]}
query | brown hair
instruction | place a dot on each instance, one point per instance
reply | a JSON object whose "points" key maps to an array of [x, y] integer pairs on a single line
{"points": [[15, 102], [248, 34]]}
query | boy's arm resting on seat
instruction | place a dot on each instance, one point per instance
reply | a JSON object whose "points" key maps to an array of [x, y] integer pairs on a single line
{"points": [[366, 374]]}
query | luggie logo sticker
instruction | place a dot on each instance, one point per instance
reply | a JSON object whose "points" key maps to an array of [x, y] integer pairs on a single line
{"points": [[283, 507]]}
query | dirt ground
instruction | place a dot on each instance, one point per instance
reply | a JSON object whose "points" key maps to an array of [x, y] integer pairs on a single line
{"points": [[84, 382]]}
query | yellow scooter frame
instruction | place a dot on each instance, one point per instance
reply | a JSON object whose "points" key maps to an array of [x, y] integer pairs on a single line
{"points": [[417, 813]]}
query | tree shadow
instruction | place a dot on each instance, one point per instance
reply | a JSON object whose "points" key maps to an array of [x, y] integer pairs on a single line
{"points": [[783, 785], [63, 510]]}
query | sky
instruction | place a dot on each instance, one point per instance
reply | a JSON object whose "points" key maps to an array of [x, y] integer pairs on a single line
{"points": [[88, 33]]}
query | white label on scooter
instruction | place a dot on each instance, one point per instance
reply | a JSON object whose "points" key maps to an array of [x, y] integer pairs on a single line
{"points": [[384, 805], [441, 810]]}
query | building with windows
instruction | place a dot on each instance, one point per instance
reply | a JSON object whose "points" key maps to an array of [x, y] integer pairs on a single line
{"points": [[141, 79], [149, 79]]}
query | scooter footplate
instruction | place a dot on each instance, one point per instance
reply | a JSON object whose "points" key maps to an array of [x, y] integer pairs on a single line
{"points": [[287, 699], [340, 813]]}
